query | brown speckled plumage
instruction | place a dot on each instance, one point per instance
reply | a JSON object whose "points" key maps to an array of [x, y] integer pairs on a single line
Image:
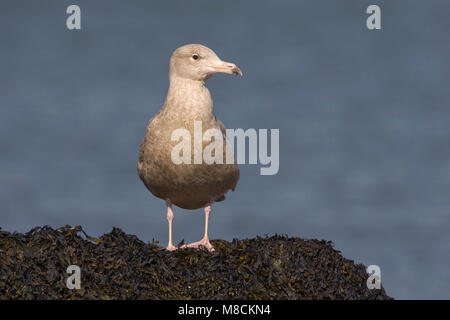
{"points": [[189, 186]]}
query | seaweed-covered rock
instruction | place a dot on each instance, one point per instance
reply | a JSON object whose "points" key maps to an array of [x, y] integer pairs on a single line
{"points": [[120, 266]]}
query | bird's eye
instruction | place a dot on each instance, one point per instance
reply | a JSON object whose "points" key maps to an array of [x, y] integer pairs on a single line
{"points": [[195, 56]]}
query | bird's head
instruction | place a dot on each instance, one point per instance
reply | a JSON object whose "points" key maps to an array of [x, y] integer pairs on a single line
{"points": [[197, 62]]}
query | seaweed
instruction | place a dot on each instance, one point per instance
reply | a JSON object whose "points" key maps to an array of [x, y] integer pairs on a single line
{"points": [[120, 266]]}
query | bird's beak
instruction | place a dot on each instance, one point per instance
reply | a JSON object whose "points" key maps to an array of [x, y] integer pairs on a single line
{"points": [[227, 67]]}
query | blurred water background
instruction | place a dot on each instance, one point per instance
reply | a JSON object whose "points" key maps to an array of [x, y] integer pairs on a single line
{"points": [[363, 118]]}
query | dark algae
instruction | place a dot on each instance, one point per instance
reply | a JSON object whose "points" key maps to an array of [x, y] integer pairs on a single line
{"points": [[120, 266]]}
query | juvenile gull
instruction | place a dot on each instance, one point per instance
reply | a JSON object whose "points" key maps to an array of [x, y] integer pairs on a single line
{"points": [[189, 186]]}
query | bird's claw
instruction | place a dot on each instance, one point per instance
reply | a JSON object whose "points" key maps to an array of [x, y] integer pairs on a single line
{"points": [[202, 243], [171, 247]]}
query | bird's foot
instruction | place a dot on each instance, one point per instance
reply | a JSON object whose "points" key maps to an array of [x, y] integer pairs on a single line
{"points": [[171, 247], [202, 243]]}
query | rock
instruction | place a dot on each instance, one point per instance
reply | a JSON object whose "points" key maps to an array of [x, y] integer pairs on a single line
{"points": [[120, 266]]}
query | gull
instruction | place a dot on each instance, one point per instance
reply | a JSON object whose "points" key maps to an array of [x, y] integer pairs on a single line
{"points": [[187, 185]]}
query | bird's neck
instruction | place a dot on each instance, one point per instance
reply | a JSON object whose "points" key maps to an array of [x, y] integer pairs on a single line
{"points": [[189, 97]]}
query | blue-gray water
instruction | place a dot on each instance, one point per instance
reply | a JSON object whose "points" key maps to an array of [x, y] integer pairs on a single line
{"points": [[363, 118]]}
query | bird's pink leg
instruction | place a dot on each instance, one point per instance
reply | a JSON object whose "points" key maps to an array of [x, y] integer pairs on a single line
{"points": [[170, 246], [205, 240]]}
